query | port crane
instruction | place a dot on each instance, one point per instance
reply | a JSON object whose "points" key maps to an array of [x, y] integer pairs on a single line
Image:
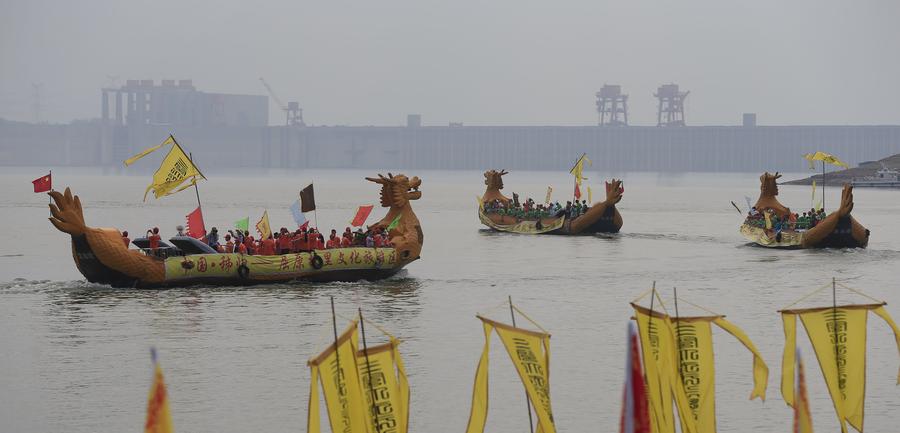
{"points": [[292, 112]]}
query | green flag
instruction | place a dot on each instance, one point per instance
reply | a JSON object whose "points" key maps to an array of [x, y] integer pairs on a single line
{"points": [[242, 224], [394, 223]]}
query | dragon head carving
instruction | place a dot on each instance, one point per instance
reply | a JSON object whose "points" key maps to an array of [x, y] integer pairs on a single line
{"points": [[397, 191], [494, 179], [768, 185]]}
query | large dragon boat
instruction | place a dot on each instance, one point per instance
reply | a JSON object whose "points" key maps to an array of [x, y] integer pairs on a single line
{"points": [[772, 225], [600, 217], [102, 257]]}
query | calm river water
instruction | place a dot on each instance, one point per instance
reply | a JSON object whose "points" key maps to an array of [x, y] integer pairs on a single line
{"points": [[75, 356]]}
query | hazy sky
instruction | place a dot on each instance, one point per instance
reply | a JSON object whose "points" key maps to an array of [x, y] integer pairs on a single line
{"points": [[511, 62]]}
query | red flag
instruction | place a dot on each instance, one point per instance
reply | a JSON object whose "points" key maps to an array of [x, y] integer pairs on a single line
{"points": [[361, 216], [195, 227], [43, 183], [635, 415], [304, 226], [577, 191]]}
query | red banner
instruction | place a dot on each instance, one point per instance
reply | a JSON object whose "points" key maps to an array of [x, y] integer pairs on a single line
{"points": [[43, 183], [195, 227], [361, 216]]}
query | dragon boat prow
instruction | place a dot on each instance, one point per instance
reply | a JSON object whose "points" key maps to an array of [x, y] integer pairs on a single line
{"points": [[838, 229], [102, 257], [601, 217]]}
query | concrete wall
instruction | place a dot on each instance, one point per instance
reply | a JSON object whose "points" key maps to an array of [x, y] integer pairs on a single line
{"points": [[714, 148]]}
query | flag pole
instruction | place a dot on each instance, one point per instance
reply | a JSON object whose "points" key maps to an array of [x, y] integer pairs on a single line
{"points": [[823, 185], [512, 314], [362, 326], [834, 319], [678, 336], [337, 357], [196, 189]]}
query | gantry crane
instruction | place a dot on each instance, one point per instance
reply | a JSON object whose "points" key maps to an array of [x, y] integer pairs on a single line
{"points": [[292, 112]]}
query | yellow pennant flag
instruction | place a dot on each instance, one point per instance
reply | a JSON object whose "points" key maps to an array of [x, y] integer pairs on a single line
{"points": [[578, 169], [159, 419], [337, 370], [262, 226], [383, 376], [838, 337], [824, 157], [768, 220], [813, 202], [530, 353], [802, 416], [659, 352], [175, 170], [549, 193], [148, 151], [480, 202], [590, 196]]}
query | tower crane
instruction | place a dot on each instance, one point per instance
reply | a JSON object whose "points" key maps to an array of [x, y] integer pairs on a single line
{"points": [[292, 112]]}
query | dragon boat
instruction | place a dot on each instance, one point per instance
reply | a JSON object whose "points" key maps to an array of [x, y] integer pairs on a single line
{"points": [[601, 217], [102, 258], [837, 230]]}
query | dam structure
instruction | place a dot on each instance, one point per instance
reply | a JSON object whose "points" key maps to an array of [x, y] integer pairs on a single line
{"points": [[232, 131]]}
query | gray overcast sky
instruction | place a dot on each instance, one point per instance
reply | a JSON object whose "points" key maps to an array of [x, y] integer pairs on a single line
{"points": [[511, 62]]}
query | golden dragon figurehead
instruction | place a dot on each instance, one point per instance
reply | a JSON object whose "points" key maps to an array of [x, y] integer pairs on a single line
{"points": [[396, 193], [493, 179], [768, 190]]}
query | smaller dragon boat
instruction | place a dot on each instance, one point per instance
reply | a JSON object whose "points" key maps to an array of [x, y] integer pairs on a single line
{"points": [[102, 257], [770, 224], [501, 213]]}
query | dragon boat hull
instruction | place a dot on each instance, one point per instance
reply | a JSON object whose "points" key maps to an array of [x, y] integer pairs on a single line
{"points": [[841, 237], [550, 226], [336, 265]]}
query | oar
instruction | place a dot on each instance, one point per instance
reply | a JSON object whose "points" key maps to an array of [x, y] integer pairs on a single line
{"points": [[738, 209]]}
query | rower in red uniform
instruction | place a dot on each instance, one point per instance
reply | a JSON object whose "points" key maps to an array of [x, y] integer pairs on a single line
{"points": [[229, 244], [346, 241], [154, 239], [125, 239], [377, 239], [320, 241], [284, 242], [333, 241], [268, 247], [241, 248]]}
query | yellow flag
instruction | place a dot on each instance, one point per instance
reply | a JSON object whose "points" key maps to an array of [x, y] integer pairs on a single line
{"points": [[838, 337], [262, 226], [813, 202], [802, 416], [549, 193], [530, 353], [341, 387], [175, 170], [590, 196], [578, 169], [478, 412], [660, 369], [768, 220], [382, 376], [824, 157], [148, 151], [159, 419], [480, 202], [760, 369]]}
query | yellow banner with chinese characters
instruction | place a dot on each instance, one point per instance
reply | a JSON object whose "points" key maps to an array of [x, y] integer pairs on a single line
{"points": [[530, 353], [176, 169], [280, 266], [696, 366], [658, 350], [383, 377], [341, 387], [838, 337]]}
